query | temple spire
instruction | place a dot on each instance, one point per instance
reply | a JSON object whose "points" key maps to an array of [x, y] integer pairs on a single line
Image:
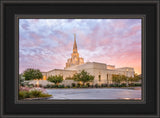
{"points": [[75, 44]]}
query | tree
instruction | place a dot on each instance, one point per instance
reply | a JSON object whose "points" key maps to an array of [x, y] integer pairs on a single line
{"points": [[83, 76], [55, 79], [136, 78], [31, 74], [118, 78]]}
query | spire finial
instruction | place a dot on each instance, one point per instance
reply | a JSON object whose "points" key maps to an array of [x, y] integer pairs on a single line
{"points": [[75, 44], [74, 36]]}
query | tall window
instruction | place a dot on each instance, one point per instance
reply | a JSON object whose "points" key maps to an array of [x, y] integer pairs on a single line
{"points": [[99, 76]]}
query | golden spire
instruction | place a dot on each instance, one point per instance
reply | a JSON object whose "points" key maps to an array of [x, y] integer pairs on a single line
{"points": [[75, 44]]}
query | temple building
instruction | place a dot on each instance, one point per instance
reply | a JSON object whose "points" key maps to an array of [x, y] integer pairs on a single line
{"points": [[102, 72]]}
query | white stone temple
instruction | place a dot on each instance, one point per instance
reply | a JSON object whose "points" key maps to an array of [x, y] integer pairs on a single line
{"points": [[102, 72]]}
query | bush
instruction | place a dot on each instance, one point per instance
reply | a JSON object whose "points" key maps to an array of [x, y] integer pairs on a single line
{"points": [[84, 86], [78, 85], [138, 84], [60, 86], [123, 85], [131, 84], [45, 87], [113, 85], [120, 85], [96, 85], [23, 94], [68, 86], [116, 85], [22, 84], [54, 86], [103, 85], [31, 86], [32, 94], [48, 86], [73, 84], [88, 84], [92, 86]]}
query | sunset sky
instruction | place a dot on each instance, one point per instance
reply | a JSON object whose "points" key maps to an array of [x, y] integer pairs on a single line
{"points": [[46, 44]]}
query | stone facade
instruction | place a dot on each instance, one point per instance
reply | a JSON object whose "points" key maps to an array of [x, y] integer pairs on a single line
{"points": [[102, 72]]}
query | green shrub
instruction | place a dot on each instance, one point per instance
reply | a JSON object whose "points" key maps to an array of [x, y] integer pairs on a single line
{"points": [[131, 84], [84, 86], [45, 87], [54, 86], [23, 94], [44, 95], [32, 94], [96, 85], [103, 85], [123, 85], [68, 86], [88, 84], [116, 85], [60, 86], [48, 86], [138, 84], [111, 85], [78, 85], [91, 86], [30, 86], [73, 84], [22, 84]]}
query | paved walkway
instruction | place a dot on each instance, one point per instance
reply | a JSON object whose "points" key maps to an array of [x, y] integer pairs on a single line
{"points": [[95, 93]]}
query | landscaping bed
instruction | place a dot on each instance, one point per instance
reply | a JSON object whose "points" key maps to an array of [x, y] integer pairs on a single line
{"points": [[32, 93]]}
